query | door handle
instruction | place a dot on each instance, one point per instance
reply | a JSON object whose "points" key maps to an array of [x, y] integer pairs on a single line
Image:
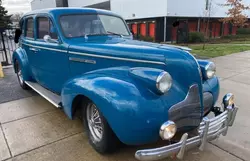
{"points": [[34, 49]]}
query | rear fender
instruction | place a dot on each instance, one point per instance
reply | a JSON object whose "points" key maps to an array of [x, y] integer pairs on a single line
{"points": [[20, 55]]}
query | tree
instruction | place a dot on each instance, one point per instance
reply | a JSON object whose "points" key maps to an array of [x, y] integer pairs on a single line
{"points": [[4, 18], [206, 21], [235, 13], [17, 16]]}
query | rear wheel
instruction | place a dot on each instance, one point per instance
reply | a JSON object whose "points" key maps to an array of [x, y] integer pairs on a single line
{"points": [[100, 135], [20, 76]]}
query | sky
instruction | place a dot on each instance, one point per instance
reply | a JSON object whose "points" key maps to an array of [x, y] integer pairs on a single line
{"points": [[16, 6]]}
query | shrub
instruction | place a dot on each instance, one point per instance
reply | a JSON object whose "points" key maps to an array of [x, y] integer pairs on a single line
{"points": [[243, 31], [145, 38], [195, 37], [228, 37], [236, 37]]}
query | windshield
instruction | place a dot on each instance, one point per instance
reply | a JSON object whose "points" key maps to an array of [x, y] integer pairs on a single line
{"points": [[94, 24]]}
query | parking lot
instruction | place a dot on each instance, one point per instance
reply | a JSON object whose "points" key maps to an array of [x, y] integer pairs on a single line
{"points": [[33, 129]]}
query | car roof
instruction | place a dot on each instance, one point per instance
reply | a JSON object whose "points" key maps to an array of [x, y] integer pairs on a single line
{"points": [[70, 10]]}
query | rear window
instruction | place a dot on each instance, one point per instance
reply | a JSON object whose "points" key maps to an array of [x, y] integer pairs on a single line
{"points": [[29, 28]]}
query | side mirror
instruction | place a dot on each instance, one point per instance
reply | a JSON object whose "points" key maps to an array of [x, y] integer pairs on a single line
{"points": [[48, 39], [18, 33]]}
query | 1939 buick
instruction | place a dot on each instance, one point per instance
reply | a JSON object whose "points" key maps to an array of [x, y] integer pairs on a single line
{"points": [[86, 62]]}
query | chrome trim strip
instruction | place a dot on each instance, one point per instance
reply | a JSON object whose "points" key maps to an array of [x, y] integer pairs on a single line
{"points": [[40, 47], [82, 60], [116, 58], [34, 49], [58, 106]]}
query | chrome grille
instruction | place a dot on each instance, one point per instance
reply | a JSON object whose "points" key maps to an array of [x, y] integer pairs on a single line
{"points": [[187, 113]]}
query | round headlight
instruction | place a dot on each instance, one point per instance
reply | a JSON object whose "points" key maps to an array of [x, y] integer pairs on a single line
{"points": [[210, 70], [164, 82], [168, 130]]}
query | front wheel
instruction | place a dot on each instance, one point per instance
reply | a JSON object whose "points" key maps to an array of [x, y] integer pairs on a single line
{"points": [[20, 76], [100, 135]]}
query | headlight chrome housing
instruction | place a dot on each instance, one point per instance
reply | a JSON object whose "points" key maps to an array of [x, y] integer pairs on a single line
{"points": [[210, 70], [164, 82], [167, 130]]}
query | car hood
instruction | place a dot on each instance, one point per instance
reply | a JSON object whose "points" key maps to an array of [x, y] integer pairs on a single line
{"points": [[176, 60], [127, 48]]}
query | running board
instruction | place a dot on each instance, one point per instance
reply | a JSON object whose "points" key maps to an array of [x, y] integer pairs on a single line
{"points": [[48, 95]]}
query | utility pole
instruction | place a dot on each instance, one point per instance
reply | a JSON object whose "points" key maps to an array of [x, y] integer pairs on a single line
{"points": [[165, 28]]}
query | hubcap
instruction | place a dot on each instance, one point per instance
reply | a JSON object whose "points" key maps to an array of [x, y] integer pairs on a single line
{"points": [[95, 123], [20, 76]]}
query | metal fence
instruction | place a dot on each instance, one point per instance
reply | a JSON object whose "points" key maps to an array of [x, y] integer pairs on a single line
{"points": [[7, 45]]}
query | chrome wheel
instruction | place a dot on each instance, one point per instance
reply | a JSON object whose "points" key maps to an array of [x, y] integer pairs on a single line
{"points": [[20, 76], [95, 123]]}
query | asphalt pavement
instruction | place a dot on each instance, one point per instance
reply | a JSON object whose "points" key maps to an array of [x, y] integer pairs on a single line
{"points": [[10, 89]]}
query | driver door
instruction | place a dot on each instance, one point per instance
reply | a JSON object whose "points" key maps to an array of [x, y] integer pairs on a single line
{"points": [[51, 58]]}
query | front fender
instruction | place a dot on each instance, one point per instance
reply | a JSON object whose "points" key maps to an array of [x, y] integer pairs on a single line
{"points": [[20, 55], [132, 111], [210, 85], [213, 86]]}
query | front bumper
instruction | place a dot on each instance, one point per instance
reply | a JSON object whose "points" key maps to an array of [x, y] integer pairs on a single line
{"points": [[208, 130]]}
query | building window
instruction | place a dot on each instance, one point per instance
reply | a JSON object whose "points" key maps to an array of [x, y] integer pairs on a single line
{"points": [[29, 28]]}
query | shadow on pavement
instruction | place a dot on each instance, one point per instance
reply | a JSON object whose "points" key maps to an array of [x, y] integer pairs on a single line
{"points": [[10, 89]]}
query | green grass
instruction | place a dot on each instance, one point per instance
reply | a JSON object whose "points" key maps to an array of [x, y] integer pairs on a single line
{"points": [[214, 50], [240, 42]]}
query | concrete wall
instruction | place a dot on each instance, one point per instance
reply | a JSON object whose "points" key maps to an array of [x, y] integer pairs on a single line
{"points": [[196, 8], [40, 4], [136, 9], [187, 8], [82, 3]]}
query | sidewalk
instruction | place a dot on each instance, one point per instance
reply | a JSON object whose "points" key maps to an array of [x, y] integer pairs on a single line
{"points": [[34, 130]]}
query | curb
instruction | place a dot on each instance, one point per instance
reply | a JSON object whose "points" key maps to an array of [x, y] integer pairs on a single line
{"points": [[6, 67]]}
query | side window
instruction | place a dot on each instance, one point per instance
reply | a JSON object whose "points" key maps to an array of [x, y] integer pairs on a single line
{"points": [[29, 28], [45, 27]]}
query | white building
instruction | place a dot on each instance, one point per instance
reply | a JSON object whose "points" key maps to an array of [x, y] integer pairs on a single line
{"points": [[155, 17]]}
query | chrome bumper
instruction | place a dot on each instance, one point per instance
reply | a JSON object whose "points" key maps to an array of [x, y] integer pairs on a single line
{"points": [[208, 130]]}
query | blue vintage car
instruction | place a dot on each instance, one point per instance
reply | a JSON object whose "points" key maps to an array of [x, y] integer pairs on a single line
{"points": [[86, 62]]}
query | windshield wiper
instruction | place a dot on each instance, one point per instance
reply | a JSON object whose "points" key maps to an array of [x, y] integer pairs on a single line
{"points": [[86, 35], [108, 33], [112, 33]]}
